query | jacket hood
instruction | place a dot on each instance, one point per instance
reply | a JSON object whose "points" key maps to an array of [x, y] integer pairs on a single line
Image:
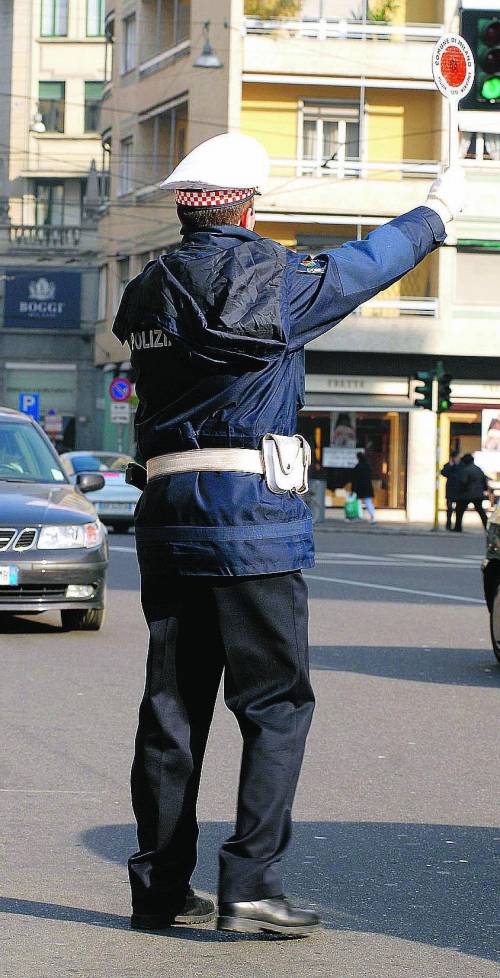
{"points": [[217, 297]]}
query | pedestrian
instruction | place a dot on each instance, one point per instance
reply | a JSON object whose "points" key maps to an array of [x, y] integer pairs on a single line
{"points": [[451, 472], [361, 484], [217, 329], [472, 488]]}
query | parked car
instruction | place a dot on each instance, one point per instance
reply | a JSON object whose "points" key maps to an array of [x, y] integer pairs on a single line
{"points": [[491, 577], [53, 547], [116, 501]]}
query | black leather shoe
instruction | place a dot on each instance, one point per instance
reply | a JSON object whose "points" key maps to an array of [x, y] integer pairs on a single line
{"points": [[196, 910], [274, 915]]}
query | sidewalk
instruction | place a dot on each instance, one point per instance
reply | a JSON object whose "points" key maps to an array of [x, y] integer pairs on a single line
{"points": [[341, 525]]}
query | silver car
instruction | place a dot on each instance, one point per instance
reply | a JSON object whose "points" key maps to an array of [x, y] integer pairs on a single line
{"points": [[115, 502]]}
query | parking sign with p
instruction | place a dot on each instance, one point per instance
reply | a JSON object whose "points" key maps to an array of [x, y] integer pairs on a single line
{"points": [[29, 403]]}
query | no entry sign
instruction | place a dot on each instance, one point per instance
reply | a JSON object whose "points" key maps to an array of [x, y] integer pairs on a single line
{"points": [[453, 66]]}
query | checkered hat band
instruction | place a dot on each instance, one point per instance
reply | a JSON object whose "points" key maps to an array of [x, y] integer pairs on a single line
{"points": [[213, 198]]}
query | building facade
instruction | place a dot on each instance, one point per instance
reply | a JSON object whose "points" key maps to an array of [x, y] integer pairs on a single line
{"points": [[52, 65], [356, 131]]}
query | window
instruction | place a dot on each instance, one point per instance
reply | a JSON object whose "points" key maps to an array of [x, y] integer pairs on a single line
{"points": [[93, 95], [480, 146], [477, 277], [330, 134], [51, 105], [54, 21], [164, 141], [125, 182], [102, 298], [95, 18], [123, 276], [49, 203], [164, 25], [128, 43]]}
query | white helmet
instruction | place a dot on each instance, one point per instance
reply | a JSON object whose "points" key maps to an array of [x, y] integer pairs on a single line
{"points": [[231, 160]]}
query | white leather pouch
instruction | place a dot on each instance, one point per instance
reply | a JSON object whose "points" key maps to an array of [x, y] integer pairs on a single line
{"points": [[286, 461]]}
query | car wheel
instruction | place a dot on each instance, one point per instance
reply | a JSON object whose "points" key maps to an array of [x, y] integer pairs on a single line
{"points": [[82, 620], [495, 622]]}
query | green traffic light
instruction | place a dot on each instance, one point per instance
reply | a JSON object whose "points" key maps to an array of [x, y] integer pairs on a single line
{"points": [[490, 89]]}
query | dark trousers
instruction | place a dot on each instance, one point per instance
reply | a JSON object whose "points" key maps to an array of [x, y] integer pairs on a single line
{"points": [[450, 503], [461, 506], [254, 630]]}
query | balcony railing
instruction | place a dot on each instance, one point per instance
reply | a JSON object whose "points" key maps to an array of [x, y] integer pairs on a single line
{"points": [[322, 29], [54, 237], [356, 168]]}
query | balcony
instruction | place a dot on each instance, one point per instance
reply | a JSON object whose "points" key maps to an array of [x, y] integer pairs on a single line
{"points": [[50, 238], [322, 29], [348, 47], [349, 193]]}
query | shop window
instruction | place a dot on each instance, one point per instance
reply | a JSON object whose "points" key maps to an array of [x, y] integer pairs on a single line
{"points": [[51, 105], [330, 134], [129, 45], [335, 436], [125, 163], [54, 18], [49, 203], [95, 18]]}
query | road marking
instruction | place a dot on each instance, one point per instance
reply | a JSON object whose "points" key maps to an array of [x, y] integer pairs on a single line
{"points": [[445, 560], [389, 587], [393, 563], [124, 550]]}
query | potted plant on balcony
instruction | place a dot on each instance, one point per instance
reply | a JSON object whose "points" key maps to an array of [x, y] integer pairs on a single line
{"points": [[274, 10]]}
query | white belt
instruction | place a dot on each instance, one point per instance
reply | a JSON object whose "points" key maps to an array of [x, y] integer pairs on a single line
{"points": [[283, 460], [207, 460]]}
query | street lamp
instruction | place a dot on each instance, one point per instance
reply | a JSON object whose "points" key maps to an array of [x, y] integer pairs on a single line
{"points": [[208, 57]]}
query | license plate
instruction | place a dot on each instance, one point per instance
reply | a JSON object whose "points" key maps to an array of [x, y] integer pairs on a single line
{"points": [[9, 576], [115, 508]]}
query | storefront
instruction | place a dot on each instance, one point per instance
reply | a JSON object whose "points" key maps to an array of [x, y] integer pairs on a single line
{"points": [[347, 414]]}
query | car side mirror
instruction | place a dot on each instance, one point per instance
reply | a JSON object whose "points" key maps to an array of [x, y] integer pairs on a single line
{"points": [[89, 481]]}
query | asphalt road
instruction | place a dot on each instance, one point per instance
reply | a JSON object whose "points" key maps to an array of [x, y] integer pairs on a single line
{"points": [[395, 811]]}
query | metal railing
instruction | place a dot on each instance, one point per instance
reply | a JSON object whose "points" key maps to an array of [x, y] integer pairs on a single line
{"points": [[356, 168], [323, 28], [56, 237]]}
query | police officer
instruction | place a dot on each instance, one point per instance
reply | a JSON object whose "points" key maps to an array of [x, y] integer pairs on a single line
{"points": [[217, 330]]}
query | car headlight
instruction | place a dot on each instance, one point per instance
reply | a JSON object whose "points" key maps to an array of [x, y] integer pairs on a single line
{"points": [[84, 535]]}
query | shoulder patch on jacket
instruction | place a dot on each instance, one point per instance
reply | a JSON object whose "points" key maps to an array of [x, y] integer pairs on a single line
{"points": [[312, 266]]}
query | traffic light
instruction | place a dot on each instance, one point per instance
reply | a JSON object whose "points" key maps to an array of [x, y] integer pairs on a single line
{"points": [[444, 393], [481, 29], [424, 391]]}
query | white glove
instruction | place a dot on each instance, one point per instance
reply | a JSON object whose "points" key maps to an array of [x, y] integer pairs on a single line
{"points": [[447, 194]]}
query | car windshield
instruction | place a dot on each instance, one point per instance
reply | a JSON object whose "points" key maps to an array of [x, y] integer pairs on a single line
{"points": [[100, 462], [24, 455]]}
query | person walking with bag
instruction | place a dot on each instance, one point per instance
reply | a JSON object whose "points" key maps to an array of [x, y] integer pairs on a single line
{"points": [[361, 484], [472, 488], [217, 329]]}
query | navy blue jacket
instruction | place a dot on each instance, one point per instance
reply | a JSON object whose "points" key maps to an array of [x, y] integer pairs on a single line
{"points": [[217, 330]]}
